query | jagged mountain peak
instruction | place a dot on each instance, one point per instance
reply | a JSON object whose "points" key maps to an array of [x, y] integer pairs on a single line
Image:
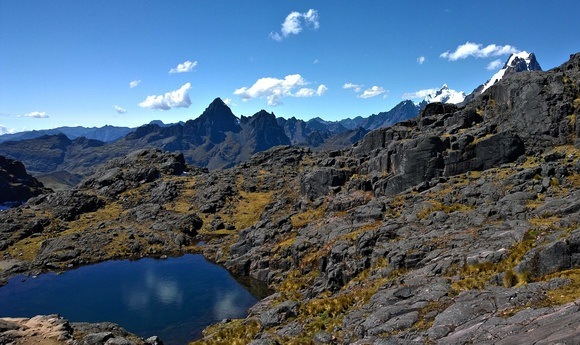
{"points": [[217, 108], [445, 95], [517, 62], [264, 113]]}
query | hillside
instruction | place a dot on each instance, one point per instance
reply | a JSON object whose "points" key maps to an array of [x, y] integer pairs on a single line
{"points": [[458, 226]]}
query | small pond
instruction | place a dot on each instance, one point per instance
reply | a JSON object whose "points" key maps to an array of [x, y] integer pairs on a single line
{"points": [[173, 298]]}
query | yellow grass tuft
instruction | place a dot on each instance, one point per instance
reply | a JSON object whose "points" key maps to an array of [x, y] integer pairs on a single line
{"points": [[235, 332]]}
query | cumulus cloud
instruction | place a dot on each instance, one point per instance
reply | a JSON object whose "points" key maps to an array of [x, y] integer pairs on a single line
{"points": [[495, 64], [373, 92], [307, 92], [187, 66], [478, 50], [421, 60], [275, 89], [134, 84], [119, 110], [352, 86], [173, 99], [35, 115], [419, 94], [294, 22]]}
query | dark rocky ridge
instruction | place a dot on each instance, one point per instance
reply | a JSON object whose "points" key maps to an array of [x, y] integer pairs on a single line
{"points": [[16, 185], [458, 226]]}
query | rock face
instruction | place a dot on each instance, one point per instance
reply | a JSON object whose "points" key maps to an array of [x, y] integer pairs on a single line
{"points": [[15, 184]]}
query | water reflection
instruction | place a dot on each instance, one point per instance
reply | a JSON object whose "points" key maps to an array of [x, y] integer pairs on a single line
{"points": [[155, 288], [227, 305]]}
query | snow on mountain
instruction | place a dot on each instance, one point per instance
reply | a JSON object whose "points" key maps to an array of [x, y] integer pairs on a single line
{"points": [[445, 95], [517, 62]]}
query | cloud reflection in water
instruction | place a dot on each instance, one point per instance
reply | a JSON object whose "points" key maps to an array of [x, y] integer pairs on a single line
{"points": [[155, 288], [227, 306]]}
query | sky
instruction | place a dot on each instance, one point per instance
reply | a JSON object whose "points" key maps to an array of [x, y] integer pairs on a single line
{"points": [[128, 62]]}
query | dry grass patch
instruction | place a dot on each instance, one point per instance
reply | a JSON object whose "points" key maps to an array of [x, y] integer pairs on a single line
{"points": [[249, 208], [302, 219], [396, 206], [567, 293], [235, 332], [184, 203], [110, 212], [439, 206], [326, 312], [477, 276], [26, 249], [354, 235], [533, 204], [293, 283]]}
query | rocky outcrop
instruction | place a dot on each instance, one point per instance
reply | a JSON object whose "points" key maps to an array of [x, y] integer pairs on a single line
{"points": [[16, 185], [53, 329], [141, 166], [125, 209]]}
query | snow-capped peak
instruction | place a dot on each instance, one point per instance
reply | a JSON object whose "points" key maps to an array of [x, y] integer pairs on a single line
{"points": [[517, 62], [445, 95]]}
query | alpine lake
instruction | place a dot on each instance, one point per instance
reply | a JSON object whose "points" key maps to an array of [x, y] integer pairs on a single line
{"points": [[174, 298]]}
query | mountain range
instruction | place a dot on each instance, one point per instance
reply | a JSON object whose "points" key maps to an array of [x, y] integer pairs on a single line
{"points": [[216, 139]]}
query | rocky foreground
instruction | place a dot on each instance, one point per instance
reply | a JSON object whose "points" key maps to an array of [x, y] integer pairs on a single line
{"points": [[459, 226], [53, 329]]}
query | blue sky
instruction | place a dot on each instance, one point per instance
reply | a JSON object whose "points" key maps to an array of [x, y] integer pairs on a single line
{"points": [[72, 62]]}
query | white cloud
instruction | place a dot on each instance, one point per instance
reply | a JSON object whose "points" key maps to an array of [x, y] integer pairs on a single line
{"points": [[421, 60], [478, 50], [275, 89], [173, 99], [355, 87], [35, 114], [294, 22], [495, 64], [419, 94], [307, 92], [187, 66], [6, 130], [119, 109], [229, 102], [373, 92], [134, 84]]}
